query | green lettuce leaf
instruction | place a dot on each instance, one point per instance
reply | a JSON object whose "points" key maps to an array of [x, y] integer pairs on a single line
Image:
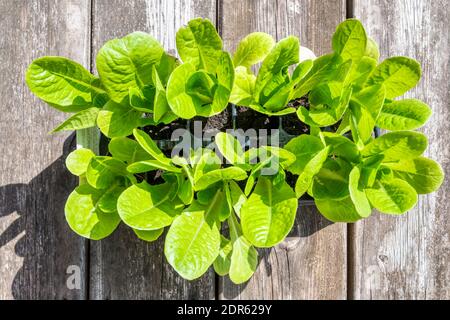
{"points": [[127, 63], [147, 207], [423, 174], [350, 40], [62, 83], [399, 145], [199, 44], [269, 213], [398, 74], [193, 241], [85, 218], [408, 114], [392, 196], [253, 49]]}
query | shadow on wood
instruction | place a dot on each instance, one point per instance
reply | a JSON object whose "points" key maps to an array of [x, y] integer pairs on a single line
{"points": [[46, 250]]}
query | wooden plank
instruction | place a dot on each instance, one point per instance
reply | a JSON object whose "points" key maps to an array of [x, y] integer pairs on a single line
{"points": [[311, 263], [36, 245], [408, 257], [123, 267]]}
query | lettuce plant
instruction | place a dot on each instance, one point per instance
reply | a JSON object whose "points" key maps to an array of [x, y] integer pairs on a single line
{"points": [[217, 213], [201, 86]]}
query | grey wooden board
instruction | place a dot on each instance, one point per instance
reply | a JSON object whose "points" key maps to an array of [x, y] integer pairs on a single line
{"points": [[36, 245], [408, 257], [123, 267], [311, 263]]}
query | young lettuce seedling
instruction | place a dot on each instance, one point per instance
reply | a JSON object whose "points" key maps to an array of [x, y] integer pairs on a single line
{"points": [[201, 86]]}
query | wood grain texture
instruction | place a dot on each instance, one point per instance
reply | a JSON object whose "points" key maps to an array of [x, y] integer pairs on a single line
{"points": [[408, 257], [123, 267], [36, 245], [311, 263]]}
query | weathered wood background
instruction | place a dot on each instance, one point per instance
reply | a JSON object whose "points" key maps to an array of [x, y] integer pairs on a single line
{"points": [[383, 257]]}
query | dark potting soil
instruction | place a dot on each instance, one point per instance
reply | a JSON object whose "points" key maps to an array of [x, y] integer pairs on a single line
{"points": [[164, 131], [219, 122], [250, 119], [291, 123]]}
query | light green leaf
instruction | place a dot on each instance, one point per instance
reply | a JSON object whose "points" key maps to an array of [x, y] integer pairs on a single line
{"points": [[128, 150], [372, 99], [84, 119], [329, 109], [399, 145], [331, 182], [149, 235], [406, 114], [302, 70], [423, 174], [200, 44], [181, 103], [193, 241], [127, 63], [148, 207], [141, 101], [253, 49], [85, 218], [372, 50], [266, 162], [151, 165], [230, 147], [191, 92], [341, 146], [350, 40], [230, 173], [357, 193], [207, 162], [244, 85], [235, 196], [166, 65], [338, 210], [392, 196], [370, 169], [244, 257], [312, 168], [304, 147], [279, 113], [365, 108], [161, 108], [285, 158], [78, 160], [62, 83], [275, 65], [108, 201], [150, 146], [269, 213], [186, 191], [223, 260], [117, 120], [102, 171], [201, 87], [324, 69], [398, 74], [359, 73], [244, 260], [225, 79]]}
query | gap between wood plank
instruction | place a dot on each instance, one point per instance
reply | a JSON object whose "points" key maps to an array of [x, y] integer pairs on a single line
{"points": [[219, 30], [350, 226], [91, 69]]}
